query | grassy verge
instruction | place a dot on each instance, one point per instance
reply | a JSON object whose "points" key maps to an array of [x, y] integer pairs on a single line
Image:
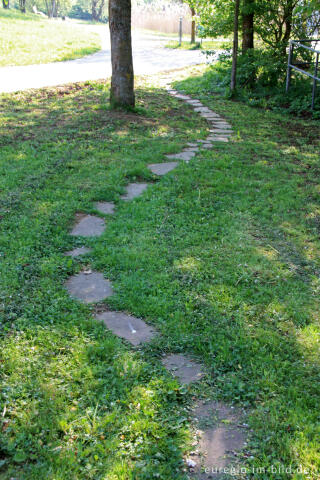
{"points": [[29, 39], [221, 256], [217, 44]]}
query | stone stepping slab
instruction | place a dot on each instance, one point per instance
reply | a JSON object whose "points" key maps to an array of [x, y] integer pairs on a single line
{"points": [[107, 208], [219, 139], [183, 367], [89, 287], [77, 252], [134, 190], [132, 329], [88, 226], [224, 132], [219, 437], [162, 168], [186, 156]]}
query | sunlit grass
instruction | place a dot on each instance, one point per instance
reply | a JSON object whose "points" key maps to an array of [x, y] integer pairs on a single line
{"points": [[27, 39]]}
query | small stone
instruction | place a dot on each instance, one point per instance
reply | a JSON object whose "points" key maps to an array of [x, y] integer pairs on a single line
{"points": [[89, 288], [130, 328], [77, 252], [183, 367], [105, 207], [207, 146], [134, 190], [89, 226], [162, 168], [190, 463]]}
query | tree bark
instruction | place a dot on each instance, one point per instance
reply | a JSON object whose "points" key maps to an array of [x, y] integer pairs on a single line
{"points": [[193, 26], [122, 81], [5, 3], [233, 82], [247, 25]]}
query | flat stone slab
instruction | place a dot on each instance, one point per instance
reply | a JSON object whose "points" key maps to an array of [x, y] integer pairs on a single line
{"points": [[77, 252], [186, 156], [223, 126], [134, 190], [162, 168], [207, 146], [224, 132], [183, 367], [89, 288], [182, 97], [132, 329], [203, 110], [105, 207], [88, 226], [219, 437], [219, 139]]}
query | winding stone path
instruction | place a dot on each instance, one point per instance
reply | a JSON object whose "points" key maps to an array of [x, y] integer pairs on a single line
{"points": [[218, 435]]}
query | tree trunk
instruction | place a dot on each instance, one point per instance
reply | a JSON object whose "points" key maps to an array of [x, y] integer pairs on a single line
{"points": [[193, 26], [247, 25], [5, 3], [122, 81], [233, 82], [22, 6]]}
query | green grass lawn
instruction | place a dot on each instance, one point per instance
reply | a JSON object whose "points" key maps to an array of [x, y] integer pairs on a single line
{"points": [[221, 256], [27, 39]]}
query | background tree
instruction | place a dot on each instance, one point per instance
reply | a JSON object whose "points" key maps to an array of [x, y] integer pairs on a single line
{"points": [[248, 25], [122, 81], [233, 82], [97, 7], [193, 26], [5, 3]]}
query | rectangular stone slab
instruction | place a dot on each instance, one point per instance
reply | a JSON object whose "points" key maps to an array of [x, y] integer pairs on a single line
{"points": [[132, 329], [162, 168], [105, 207], [89, 226], [89, 288], [134, 190], [183, 367], [77, 252]]}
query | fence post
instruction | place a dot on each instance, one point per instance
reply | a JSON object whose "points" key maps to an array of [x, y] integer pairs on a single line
{"points": [[315, 82], [289, 67], [180, 31]]}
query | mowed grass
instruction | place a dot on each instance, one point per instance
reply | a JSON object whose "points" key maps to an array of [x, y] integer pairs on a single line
{"points": [[28, 39], [221, 256]]}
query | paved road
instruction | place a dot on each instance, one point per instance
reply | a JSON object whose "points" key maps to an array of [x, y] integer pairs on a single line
{"points": [[150, 57]]}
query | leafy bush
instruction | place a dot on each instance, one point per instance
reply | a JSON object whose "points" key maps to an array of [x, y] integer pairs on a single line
{"points": [[261, 82]]}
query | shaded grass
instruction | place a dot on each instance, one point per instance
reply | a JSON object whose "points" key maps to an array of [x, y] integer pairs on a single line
{"points": [[221, 256], [28, 39]]}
